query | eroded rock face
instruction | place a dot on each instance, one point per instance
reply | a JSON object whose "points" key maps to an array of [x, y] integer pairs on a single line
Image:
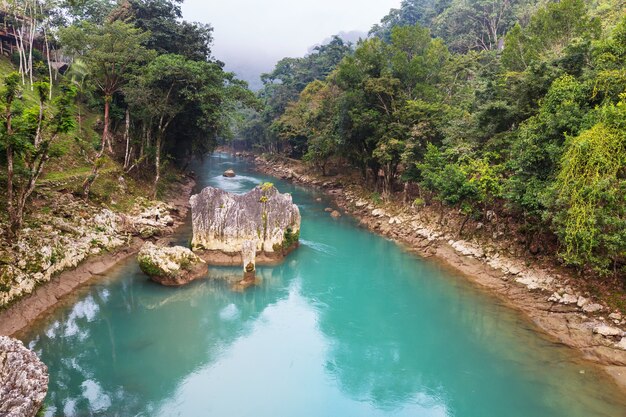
{"points": [[72, 232], [23, 380], [223, 221], [170, 266]]}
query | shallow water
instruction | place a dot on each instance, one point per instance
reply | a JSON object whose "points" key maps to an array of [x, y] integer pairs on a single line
{"points": [[348, 325]]}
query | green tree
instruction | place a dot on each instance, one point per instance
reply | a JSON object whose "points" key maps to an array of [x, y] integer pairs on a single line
{"points": [[111, 52], [551, 29], [590, 192], [172, 86], [27, 136]]}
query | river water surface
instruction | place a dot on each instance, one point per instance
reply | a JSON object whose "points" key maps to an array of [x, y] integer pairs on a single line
{"points": [[349, 325]]}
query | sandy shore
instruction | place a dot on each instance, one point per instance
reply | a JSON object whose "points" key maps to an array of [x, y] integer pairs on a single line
{"points": [[27, 310]]}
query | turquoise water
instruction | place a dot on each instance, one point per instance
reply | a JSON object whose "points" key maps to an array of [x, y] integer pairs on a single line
{"points": [[348, 325]]}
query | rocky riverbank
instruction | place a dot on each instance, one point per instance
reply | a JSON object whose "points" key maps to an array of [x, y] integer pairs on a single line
{"points": [[73, 243], [543, 292]]}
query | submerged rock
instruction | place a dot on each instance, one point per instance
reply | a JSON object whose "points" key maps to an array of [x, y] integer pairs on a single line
{"points": [[23, 380], [223, 221], [229, 173], [170, 266]]}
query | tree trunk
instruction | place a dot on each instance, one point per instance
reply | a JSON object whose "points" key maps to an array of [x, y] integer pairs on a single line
{"points": [[45, 35], [462, 226], [157, 164], [10, 171], [106, 140], [10, 204], [127, 138]]}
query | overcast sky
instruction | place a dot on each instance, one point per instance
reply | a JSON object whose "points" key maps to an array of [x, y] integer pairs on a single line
{"points": [[263, 31]]}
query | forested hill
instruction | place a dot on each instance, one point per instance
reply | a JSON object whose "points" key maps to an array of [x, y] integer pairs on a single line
{"points": [[487, 106], [98, 93]]}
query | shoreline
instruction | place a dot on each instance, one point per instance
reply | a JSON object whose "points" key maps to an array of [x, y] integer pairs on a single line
{"points": [[527, 290], [27, 310]]}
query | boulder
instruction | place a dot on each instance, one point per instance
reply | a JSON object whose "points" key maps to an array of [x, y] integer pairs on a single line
{"points": [[23, 380], [592, 308], [608, 331], [335, 214], [170, 266], [229, 173], [223, 221], [569, 299]]}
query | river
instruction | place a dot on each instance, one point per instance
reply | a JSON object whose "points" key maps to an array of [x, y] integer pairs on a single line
{"points": [[349, 325]]}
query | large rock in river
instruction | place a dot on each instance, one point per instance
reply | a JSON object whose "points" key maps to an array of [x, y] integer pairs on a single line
{"points": [[23, 380], [170, 266], [223, 221]]}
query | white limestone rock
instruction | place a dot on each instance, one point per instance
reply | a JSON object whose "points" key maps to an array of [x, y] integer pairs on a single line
{"points": [[222, 221], [23, 380], [568, 299], [378, 213], [592, 308], [170, 266], [608, 331]]}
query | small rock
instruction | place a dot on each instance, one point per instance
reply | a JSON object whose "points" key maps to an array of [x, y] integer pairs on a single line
{"points": [[582, 301], [229, 173], [622, 344], [569, 299], [615, 316], [378, 213], [608, 331], [335, 214], [555, 298], [592, 308], [513, 270], [328, 210]]}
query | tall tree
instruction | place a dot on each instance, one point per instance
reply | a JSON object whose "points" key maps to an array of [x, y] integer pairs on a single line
{"points": [[27, 137], [172, 86], [111, 52]]}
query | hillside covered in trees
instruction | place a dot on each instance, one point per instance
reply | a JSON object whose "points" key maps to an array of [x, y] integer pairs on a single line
{"points": [[501, 106], [98, 93]]}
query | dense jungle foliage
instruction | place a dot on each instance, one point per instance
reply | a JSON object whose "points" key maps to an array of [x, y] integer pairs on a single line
{"points": [[147, 76], [506, 106]]}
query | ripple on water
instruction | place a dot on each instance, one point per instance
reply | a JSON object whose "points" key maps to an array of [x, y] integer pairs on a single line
{"points": [[318, 247], [238, 184]]}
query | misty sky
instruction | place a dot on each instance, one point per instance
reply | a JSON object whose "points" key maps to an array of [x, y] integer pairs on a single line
{"points": [[257, 33]]}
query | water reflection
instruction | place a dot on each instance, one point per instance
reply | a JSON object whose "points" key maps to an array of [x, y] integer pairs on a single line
{"points": [[349, 325]]}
